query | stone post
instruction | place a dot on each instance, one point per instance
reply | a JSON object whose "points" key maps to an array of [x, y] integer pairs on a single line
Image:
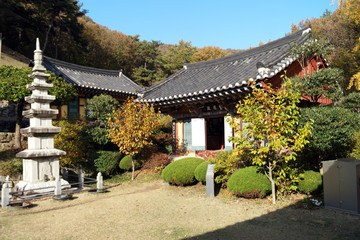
{"points": [[99, 183], [81, 179], [5, 195], [210, 185], [57, 191]]}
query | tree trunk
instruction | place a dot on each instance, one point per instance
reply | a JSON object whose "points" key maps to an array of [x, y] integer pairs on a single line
{"points": [[272, 182], [19, 116], [133, 169], [273, 190], [47, 35]]}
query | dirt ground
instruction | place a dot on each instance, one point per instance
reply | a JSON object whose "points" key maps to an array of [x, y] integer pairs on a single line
{"points": [[155, 210]]}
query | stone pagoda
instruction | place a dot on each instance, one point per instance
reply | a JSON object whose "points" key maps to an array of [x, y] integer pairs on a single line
{"points": [[41, 159]]}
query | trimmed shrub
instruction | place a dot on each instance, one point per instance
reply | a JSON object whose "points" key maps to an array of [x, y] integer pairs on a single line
{"points": [[351, 101], [200, 172], [106, 162], [181, 172], [332, 134], [310, 182], [249, 183], [125, 163]]}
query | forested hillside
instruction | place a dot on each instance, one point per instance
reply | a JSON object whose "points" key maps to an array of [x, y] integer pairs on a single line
{"points": [[66, 33], [342, 30]]}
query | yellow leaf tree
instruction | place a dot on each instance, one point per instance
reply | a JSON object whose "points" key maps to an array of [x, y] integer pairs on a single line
{"points": [[131, 126], [208, 53], [270, 129]]}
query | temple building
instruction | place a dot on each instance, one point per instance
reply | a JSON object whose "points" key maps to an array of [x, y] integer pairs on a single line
{"points": [[200, 95], [89, 82]]}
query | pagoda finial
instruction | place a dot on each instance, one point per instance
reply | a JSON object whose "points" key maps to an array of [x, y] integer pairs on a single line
{"points": [[37, 44], [38, 58]]}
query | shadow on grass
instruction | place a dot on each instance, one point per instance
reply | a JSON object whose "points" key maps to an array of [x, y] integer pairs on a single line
{"points": [[297, 221]]}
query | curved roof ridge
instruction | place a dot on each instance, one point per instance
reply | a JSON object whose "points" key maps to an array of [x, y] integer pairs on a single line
{"points": [[254, 51], [82, 68], [93, 78]]}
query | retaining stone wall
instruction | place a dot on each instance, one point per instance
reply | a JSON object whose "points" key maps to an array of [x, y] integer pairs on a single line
{"points": [[8, 117], [7, 140]]}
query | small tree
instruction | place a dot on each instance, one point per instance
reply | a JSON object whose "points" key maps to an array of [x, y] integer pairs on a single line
{"points": [[13, 82], [270, 128], [99, 108], [131, 126], [324, 82]]}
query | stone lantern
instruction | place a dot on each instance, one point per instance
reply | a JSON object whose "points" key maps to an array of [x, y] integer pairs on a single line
{"points": [[41, 159]]}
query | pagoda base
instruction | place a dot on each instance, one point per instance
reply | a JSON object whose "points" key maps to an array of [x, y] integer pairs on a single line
{"points": [[39, 187]]}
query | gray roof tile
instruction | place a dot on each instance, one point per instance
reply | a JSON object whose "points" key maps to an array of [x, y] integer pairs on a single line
{"points": [[92, 78], [232, 71]]}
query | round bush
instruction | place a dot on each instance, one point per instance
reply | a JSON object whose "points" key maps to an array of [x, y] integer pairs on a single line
{"points": [[249, 183], [181, 172], [125, 163], [200, 172], [311, 182]]}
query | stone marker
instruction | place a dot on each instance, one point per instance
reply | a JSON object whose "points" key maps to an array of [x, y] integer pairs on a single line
{"points": [[99, 183], [210, 186], [57, 191], [5, 195], [81, 179]]}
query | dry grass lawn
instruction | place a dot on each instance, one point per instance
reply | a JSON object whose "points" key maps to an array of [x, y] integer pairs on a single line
{"points": [[155, 210]]}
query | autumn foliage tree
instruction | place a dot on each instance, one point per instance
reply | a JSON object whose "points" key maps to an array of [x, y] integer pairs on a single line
{"points": [[131, 126], [177, 55], [208, 53], [270, 129], [342, 29], [71, 140]]}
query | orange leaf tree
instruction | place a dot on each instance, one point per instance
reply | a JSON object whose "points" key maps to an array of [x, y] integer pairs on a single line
{"points": [[131, 126], [270, 128]]}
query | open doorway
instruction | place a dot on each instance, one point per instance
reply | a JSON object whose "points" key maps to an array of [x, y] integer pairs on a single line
{"points": [[215, 133]]}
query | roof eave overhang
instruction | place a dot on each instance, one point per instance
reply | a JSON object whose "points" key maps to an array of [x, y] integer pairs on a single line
{"points": [[211, 96], [93, 89]]}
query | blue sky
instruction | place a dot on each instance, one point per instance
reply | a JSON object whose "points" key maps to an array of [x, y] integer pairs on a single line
{"points": [[233, 24]]}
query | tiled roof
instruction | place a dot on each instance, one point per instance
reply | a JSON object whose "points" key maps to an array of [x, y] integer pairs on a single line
{"points": [[227, 74], [92, 78]]}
